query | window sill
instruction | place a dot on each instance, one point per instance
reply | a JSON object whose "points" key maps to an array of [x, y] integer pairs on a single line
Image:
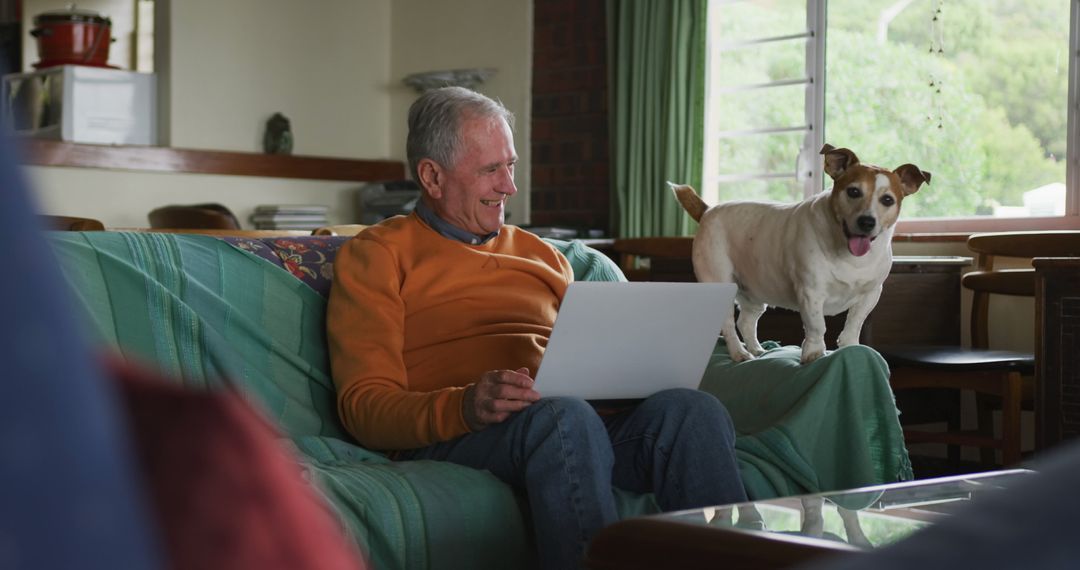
{"points": [[974, 225], [926, 237], [39, 152]]}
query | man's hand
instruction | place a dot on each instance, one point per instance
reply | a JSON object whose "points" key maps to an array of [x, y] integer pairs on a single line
{"points": [[498, 394]]}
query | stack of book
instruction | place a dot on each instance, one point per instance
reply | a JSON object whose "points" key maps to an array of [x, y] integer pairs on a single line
{"points": [[289, 217]]}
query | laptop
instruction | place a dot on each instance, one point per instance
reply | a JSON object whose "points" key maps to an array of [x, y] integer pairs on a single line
{"points": [[618, 340]]}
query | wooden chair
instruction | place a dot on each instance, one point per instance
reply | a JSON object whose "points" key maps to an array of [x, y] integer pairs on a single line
{"points": [[194, 216], [71, 223], [997, 377]]}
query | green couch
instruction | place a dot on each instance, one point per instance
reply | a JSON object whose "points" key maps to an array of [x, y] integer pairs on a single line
{"points": [[249, 314]]}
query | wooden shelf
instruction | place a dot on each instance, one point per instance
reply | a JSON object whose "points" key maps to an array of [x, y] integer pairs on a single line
{"points": [[39, 152]]}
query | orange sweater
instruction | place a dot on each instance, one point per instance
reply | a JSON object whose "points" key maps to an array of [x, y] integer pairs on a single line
{"points": [[415, 317]]}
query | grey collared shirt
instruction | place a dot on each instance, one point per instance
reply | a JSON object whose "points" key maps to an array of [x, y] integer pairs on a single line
{"points": [[448, 230]]}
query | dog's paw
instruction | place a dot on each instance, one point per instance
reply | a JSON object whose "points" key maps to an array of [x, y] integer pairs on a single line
{"points": [[755, 349], [722, 516], [739, 354], [812, 352], [750, 518]]}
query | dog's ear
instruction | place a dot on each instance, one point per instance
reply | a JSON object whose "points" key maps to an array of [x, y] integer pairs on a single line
{"points": [[911, 177], [838, 160]]}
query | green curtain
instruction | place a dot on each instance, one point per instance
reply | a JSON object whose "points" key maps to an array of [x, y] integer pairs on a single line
{"points": [[656, 51]]}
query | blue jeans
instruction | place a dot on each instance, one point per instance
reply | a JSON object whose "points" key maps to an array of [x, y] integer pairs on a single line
{"points": [[678, 444]]}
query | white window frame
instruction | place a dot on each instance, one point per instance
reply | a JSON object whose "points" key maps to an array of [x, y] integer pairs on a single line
{"points": [[807, 167], [815, 103]]}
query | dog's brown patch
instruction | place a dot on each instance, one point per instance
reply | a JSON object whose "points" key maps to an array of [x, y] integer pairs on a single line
{"points": [[838, 160], [691, 202], [911, 177], [866, 198]]}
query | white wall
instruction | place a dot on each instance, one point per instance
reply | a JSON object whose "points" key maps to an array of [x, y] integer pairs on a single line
{"points": [[334, 67], [430, 35], [323, 63]]}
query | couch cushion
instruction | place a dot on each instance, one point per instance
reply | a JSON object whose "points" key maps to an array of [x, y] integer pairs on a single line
{"points": [[308, 258], [311, 258]]}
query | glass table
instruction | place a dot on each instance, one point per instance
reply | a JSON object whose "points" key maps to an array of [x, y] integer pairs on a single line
{"points": [[783, 532]]}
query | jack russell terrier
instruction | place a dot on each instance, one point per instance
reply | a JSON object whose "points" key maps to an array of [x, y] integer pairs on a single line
{"points": [[822, 256]]}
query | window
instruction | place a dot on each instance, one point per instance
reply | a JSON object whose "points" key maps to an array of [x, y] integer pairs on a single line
{"points": [[979, 93], [762, 114]]}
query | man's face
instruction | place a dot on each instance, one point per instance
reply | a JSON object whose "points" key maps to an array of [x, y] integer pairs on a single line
{"points": [[471, 194]]}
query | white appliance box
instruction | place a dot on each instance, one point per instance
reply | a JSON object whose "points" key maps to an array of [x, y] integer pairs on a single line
{"points": [[84, 104]]}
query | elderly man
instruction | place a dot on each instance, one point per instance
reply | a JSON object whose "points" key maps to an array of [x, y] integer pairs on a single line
{"points": [[437, 319]]}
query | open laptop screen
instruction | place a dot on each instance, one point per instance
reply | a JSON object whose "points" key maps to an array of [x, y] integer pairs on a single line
{"points": [[617, 340]]}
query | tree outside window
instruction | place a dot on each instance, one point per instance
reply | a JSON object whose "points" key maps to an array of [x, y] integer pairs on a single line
{"points": [[974, 91]]}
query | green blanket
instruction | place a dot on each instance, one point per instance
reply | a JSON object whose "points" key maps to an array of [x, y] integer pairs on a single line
{"points": [[213, 316], [828, 425]]}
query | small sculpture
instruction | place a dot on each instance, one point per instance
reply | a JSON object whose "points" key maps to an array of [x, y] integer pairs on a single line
{"points": [[278, 138]]}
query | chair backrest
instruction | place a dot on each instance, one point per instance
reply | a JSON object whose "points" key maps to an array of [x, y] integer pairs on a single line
{"points": [[71, 223], [224, 232], [986, 280], [194, 216], [338, 230]]}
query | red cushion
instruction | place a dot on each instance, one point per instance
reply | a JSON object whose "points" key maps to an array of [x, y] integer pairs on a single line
{"points": [[226, 491]]}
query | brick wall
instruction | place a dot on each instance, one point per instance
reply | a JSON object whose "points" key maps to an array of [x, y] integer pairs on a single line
{"points": [[570, 175]]}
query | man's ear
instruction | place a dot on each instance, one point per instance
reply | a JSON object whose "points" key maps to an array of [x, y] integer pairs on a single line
{"points": [[431, 177]]}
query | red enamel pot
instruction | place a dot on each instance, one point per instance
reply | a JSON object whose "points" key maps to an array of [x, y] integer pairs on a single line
{"points": [[72, 37]]}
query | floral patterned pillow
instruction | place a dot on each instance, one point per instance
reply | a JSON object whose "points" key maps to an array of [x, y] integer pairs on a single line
{"points": [[308, 258]]}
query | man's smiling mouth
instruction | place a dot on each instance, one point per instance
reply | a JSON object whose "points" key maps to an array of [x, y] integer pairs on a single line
{"points": [[491, 202]]}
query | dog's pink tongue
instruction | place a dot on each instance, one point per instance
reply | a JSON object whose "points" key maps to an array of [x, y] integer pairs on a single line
{"points": [[858, 245]]}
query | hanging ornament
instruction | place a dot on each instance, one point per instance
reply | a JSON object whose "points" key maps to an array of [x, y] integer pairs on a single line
{"points": [[937, 47]]}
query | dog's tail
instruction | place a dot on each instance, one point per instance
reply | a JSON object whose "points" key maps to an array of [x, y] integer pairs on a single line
{"points": [[690, 200]]}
